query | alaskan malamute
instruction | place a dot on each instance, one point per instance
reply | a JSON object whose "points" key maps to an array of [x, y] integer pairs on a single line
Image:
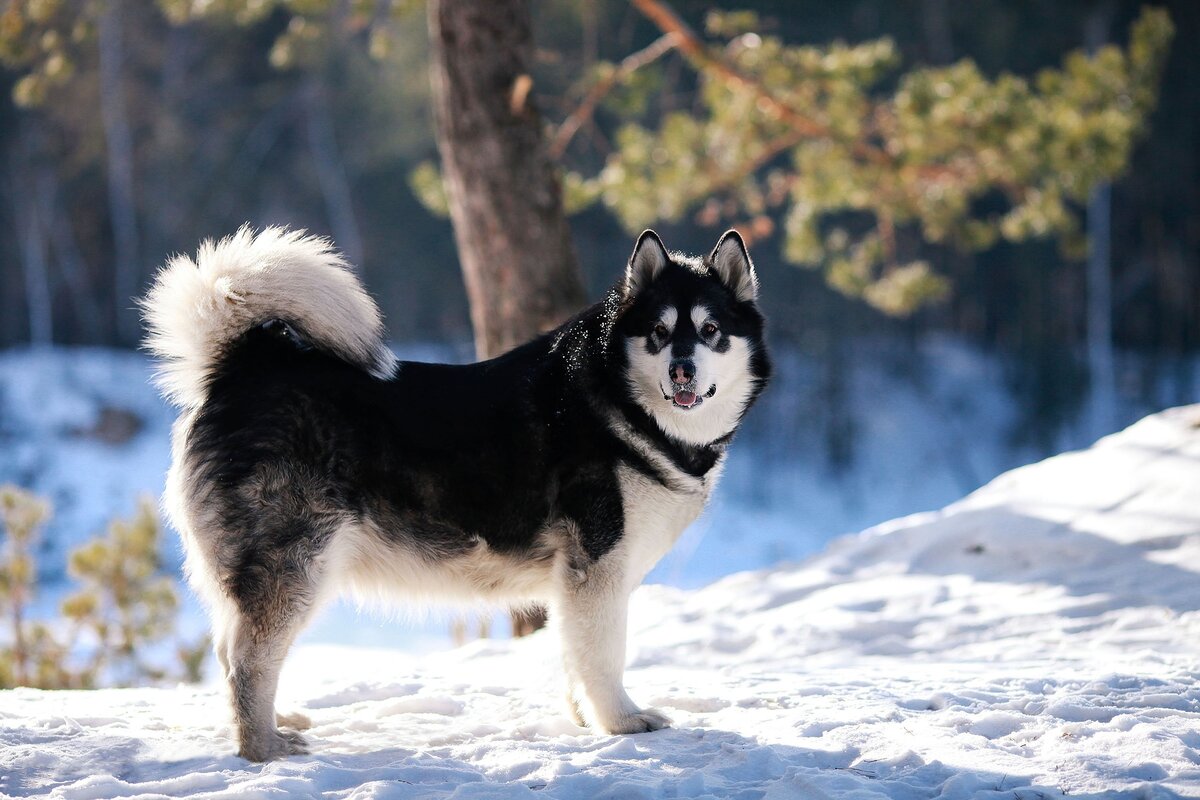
{"points": [[308, 462]]}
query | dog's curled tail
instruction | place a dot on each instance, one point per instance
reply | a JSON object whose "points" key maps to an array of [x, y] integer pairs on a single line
{"points": [[195, 309]]}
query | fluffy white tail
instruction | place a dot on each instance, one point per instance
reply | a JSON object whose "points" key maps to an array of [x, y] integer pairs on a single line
{"points": [[196, 308]]}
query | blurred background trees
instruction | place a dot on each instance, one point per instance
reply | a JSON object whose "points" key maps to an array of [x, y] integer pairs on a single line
{"points": [[933, 151]]}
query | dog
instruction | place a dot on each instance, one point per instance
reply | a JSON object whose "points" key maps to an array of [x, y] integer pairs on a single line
{"points": [[307, 462]]}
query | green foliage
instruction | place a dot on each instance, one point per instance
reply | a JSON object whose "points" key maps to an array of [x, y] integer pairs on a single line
{"points": [[426, 183], [125, 605], [731, 23], [32, 656], [46, 39], [816, 136], [856, 164], [42, 38], [126, 599]]}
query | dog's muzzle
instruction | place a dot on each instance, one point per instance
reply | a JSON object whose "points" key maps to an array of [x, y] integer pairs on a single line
{"points": [[686, 395]]}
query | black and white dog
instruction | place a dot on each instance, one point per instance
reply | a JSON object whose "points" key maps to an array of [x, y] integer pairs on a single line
{"points": [[307, 462]]}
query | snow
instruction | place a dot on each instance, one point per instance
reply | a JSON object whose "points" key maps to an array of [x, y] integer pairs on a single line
{"points": [[1036, 639], [51, 400]]}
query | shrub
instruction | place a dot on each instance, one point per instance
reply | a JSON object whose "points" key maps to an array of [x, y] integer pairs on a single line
{"points": [[114, 629]]}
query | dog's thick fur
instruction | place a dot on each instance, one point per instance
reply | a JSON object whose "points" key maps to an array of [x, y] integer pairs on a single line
{"points": [[308, 463]]}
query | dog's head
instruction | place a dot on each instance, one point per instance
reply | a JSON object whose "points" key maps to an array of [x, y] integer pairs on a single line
{"points": [[693, 337]]}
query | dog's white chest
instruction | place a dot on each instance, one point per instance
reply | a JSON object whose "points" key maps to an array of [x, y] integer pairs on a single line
{"points": [[656, 515]]}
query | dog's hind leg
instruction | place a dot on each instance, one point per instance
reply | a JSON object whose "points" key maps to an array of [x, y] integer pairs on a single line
{"points": [[223, 643], [273, 605]]}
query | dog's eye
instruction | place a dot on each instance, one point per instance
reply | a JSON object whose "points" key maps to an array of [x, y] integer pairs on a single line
{"points": [[661, 331], [709, 329]]}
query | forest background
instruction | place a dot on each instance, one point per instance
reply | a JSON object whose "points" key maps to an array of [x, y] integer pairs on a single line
{"points": [[136, 138]]}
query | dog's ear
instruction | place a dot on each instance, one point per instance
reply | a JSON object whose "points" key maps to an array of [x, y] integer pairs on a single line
{"points": [[731, 261], [647, 261]]}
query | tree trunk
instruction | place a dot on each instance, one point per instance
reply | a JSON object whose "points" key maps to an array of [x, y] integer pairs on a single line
{"points": [[87, 318], [935, 21], [331, 171], [505, 200], [1101, 358], [118, 141], [34, 262]]}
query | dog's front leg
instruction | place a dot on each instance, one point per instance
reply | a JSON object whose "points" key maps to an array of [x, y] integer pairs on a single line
{"points": [[591, 610]]}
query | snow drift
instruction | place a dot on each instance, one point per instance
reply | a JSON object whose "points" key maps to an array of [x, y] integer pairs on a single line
{"points": [[1036, 639]]}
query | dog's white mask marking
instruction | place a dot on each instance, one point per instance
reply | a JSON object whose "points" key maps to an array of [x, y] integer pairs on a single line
{"points": [[723, 381]]}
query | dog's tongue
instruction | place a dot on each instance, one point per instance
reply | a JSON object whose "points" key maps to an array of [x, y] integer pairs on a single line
{"points": [[686, 399]]}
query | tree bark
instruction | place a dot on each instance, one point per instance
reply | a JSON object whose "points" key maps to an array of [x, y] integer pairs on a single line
{"points": [[505, 199], [504, 195]]}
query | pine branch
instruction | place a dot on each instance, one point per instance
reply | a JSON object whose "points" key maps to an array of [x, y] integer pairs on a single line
{"points": [[708, 61], [587, 107]]}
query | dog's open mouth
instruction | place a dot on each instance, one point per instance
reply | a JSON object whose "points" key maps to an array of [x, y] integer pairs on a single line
{"points": [[686, 397]]}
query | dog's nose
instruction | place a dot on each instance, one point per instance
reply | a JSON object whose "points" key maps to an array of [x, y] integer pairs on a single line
{"points": [[682, 370]]}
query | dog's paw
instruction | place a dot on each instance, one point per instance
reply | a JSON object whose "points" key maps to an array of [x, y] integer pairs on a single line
{"points": [[273, 745], [642, 720], [296, 720]]}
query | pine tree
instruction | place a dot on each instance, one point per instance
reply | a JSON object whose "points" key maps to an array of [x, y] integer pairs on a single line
{"points": [[860, 171], [114, 630]]}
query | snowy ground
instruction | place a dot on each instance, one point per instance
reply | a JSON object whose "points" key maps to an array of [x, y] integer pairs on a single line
{"points": [[1036, 639]]}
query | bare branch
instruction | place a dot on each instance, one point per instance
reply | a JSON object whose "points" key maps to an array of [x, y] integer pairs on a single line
{"points": [[709, 61], [587, 107], [803, 127]]}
